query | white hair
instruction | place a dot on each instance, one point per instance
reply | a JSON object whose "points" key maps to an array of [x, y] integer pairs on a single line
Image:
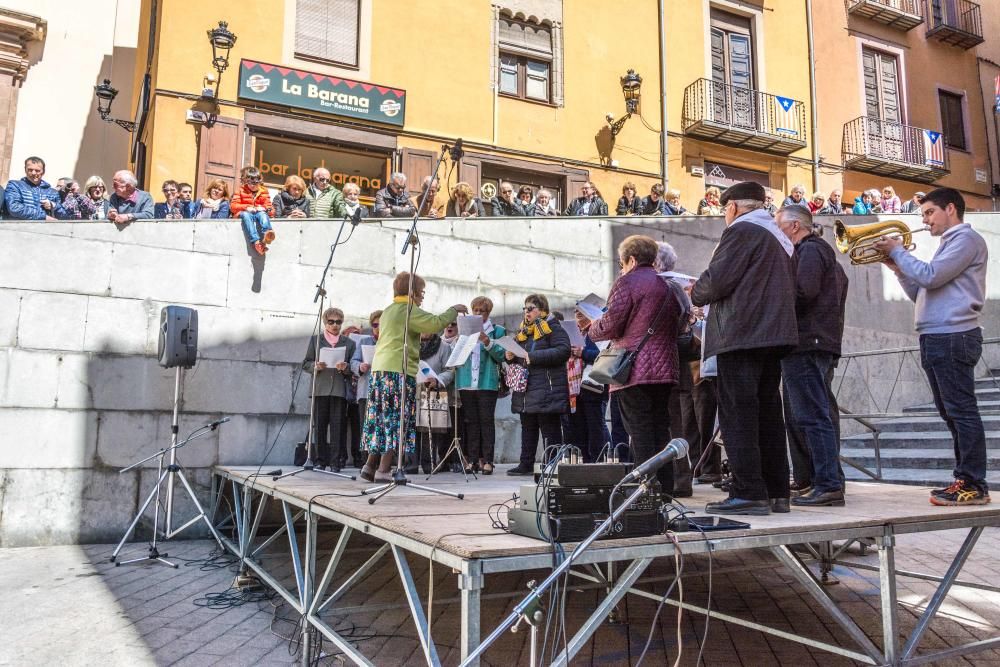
{"points": [[398, 177], [799, 188], [799, 214], [666, 257], [127, 177]]}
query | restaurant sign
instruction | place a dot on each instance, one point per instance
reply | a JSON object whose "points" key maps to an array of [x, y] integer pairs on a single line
{"points": [[272, 84]]}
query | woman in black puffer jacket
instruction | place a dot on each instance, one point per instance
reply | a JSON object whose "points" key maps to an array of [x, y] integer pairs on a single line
{"points": [[546, 396]]}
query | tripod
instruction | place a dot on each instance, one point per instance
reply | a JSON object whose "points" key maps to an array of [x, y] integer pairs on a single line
{"points": [[173, 469], [399, 474], [309, 465], [455, 446]]}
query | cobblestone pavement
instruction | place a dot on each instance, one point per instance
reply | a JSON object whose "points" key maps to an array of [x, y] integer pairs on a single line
{"points": [[68, 605]]}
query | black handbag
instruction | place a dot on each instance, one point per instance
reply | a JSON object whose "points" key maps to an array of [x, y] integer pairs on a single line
{"points": [[614, 365]]}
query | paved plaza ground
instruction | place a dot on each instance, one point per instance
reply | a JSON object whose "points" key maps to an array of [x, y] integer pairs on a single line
{"points": [[67, 605]]}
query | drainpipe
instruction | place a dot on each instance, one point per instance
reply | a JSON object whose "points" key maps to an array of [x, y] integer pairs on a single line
{"points": [[663, 91], [813, 113]]}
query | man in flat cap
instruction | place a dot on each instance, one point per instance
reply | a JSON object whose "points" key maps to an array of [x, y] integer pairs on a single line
{"points": [[750, 288]]}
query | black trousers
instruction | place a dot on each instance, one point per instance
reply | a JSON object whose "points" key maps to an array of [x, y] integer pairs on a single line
{"points": [[329, 430], [643, 407], [354, 420], [752, 423], [684, 424], [531, 424], [478, 409], [705, 396], [586, 427], [619, 436], [798, 446]]}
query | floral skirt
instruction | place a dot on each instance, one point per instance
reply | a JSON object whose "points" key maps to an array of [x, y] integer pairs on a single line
{"points": [[381, 430]]}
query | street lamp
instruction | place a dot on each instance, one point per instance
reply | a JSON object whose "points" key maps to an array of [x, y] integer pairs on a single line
{"points": [[106, 94], [631, 84], [222, 41]]}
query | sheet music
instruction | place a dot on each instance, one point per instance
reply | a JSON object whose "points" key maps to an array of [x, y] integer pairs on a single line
{"points": [[368, 354], [592, 306], [331, 356], [425, 373], [462, 349], [470, 325], [510, 345], [573, 331]]}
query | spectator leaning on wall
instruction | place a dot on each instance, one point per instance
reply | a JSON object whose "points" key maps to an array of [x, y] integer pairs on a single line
{"points": [[31, 198]]}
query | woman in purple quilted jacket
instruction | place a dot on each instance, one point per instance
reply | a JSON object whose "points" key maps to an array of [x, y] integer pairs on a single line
{"points": [[640, 300]]}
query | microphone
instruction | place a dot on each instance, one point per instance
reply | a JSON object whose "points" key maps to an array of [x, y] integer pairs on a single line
{"points": [[456, 151], [216, 424], [356, 217], [675, 449]]}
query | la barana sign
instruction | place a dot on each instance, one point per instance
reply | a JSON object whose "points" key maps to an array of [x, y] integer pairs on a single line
{"points": [[299, 89]]}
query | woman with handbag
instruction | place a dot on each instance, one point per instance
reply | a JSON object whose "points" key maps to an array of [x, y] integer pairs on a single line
{"points": [[478, 383], [386, 396], [641, 323], [434, 398], [541, 394]]}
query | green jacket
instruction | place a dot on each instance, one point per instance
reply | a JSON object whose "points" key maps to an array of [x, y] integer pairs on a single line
{"points": [[389, 349], [489, 365], [327, 203]]}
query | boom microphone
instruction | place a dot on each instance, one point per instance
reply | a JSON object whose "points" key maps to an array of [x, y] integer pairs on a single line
{"points": [[216, 424], [456, 151], [675, 449]]}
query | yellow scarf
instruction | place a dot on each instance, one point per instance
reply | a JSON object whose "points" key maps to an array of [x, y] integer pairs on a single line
{"points": [[538, 329], [400, 299]]}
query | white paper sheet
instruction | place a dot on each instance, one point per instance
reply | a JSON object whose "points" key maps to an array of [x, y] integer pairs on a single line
{"points": [[462, 349], [679, 277], [470, 325], [510, 345], [592, 306], [573, 331], [331, 356], [425, 373], [368, 354]]}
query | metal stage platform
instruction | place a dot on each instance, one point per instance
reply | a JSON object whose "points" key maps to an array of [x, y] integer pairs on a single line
{"points": [[457, 534]]}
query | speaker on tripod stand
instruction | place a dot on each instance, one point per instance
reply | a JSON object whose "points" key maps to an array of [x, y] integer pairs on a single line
{"points": [[178, 341]]}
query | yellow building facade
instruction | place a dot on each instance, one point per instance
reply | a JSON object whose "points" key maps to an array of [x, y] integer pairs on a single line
{"points": [[532, 87]]}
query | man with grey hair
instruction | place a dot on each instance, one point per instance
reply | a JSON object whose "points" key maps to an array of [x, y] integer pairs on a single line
{"points": [[393, 201], [128, 203], [797, 197], [913, 205], [505, 203], [807, 372], [433, 207], [834, 203], [750, 285], [325, 200]]}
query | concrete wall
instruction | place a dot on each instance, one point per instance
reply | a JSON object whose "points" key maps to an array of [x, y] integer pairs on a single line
{"points": [[81, 394]]}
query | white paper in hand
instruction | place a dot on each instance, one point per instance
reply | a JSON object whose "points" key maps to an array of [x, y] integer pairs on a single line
{"points": [[470, 325], [462, 349], [425, 373], [573, 331], [510, 345], [592, 306], [368, 354], [331, 356]]}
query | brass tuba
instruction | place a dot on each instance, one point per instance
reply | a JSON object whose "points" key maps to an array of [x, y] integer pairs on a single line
{"points": [[858, 241]]}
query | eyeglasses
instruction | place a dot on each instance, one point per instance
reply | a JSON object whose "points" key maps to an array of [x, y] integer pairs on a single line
{"points": [[168, 191], [528, 309], [453, 324], [335, 321], [322, 180], [507, 192]]}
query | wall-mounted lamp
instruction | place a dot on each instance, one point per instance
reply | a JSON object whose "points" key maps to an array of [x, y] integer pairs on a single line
{"points": [[106, 94], [631, 84], [222, 41]]}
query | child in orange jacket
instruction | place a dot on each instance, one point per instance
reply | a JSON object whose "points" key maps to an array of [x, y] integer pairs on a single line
{"points": [[252, 205]]}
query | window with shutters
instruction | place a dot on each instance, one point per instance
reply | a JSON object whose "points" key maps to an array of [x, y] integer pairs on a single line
{"points": [[732, 70], [526, 58], [328, 30], [952, 119], [881, 73]]}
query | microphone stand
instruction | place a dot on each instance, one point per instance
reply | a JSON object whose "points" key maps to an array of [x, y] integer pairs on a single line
{"points": [[309, 465], [399, 475], [528, 607]]}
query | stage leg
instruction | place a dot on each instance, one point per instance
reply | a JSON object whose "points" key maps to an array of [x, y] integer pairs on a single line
{"points": [[416, 608], [887, 586], [306, 588], [471, 586], [293, 547]]}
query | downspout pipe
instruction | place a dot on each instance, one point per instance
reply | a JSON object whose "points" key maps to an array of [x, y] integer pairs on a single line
{"points": [[813, 112], [663, 91]]}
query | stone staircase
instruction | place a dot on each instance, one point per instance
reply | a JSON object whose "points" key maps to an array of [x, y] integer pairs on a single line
{"points": [[919, 450]]}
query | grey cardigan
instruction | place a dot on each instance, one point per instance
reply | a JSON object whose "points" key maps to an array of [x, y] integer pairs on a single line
{"points": [[330, 382]]}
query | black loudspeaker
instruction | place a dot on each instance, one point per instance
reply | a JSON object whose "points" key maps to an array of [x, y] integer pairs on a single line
{"points": [[178, 337]]}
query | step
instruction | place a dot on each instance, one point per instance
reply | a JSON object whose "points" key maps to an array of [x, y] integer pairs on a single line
{"points": [[936, 459], [914, 440], [916, 477], [924, 424], [984, 406]]}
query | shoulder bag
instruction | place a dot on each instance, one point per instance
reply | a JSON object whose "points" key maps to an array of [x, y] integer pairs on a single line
{"points": [[614, 365]]}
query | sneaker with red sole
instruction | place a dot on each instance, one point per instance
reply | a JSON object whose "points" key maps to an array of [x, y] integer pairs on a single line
{"points": [[961, 493], [260, 247], [269, 236]]}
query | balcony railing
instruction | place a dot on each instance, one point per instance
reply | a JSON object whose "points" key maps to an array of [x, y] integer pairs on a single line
{"points": [[900, 14], [892, 149], [957, 22], [744, 117]]}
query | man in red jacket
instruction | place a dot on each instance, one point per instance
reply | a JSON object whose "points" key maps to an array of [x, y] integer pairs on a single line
{"points": [[252, 205]]}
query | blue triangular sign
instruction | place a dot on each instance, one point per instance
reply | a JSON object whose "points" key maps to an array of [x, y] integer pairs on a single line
{"points": [[785, 102], [933, 136]]}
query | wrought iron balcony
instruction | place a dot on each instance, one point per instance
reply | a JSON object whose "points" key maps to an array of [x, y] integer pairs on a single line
{"points": [[892, 149], [956, 22], [743, 117], [900, 14]]}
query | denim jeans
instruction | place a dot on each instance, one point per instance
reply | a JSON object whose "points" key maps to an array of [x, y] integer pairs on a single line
{"points": [[949, 360], [803, 375], [753, 427], [254, 224]]}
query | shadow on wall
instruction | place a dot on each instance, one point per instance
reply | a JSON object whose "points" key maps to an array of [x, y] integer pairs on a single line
{"points": [[104, 147]]}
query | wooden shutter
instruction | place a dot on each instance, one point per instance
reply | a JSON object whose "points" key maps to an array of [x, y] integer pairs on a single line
{"points": [[328, 30], [417, 165], [890, 90], [471, 170], [220, 149], [952, 121]]}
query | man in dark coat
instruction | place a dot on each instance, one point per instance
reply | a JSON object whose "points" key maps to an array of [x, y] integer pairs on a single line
{"points": [[589, 203], [807, 373], [505, 204], [750, 287]]}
